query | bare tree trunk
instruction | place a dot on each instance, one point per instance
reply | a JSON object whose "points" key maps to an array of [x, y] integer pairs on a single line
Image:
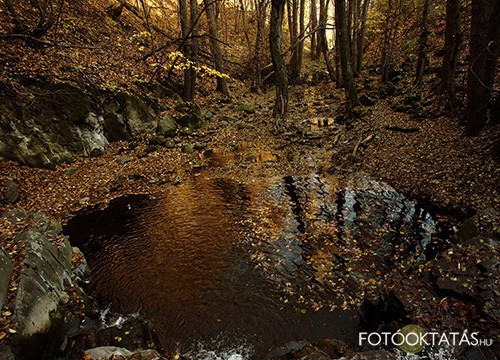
{"points": [[338, 68], [314, 25], [216, 50], [422, 48], [300, 50], [356, 9], [281, 101], [293, 18], [323, 17], [451, 49], [361, 37], [343, 35], [483, 46], [386, 54], [261, 7], [189, 46]]}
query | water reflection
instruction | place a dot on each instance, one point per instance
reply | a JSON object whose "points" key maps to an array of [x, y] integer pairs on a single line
{"points": [[260, 263]]}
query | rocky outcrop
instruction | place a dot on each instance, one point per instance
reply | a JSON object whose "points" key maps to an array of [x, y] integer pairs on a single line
{"points": [[45, 273], [5, 275], [127, 116], [62, 121]]}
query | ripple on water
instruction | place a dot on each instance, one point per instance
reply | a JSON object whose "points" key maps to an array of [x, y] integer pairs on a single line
{"points": [[254, 262]]}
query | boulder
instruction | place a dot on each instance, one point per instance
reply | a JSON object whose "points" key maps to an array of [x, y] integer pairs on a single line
{"points": [[167, 126], [45, 273], [58, 125], [5, 274], [11, 192], [190, 115], [106, 352], [127, 116]]}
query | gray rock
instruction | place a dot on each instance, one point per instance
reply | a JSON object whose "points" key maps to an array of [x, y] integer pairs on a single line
{"points": [[11, 191], [57, 126], [139, 117], [82, 271], [190, 117], [159, 140], [167, 126], [5, 275], [170, 143], [45, 272], [70, 171], [106, 352], [149, 354], [187, 148], [123, 159]]}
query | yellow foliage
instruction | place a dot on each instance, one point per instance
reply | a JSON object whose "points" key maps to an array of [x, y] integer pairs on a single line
{"points": [[180, 62]]}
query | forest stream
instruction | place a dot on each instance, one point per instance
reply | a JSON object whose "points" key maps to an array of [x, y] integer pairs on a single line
{"points": [[223, 267]]}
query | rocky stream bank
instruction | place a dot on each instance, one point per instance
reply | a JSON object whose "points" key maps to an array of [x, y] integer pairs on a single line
{"points": [[46, 289]]}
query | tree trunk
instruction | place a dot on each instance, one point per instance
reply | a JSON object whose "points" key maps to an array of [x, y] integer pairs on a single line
{"points": [[215, 46], [451, 49], [422, 48], [300, 50], [323, 17], [293, 19], [338, 68], [281, 101], [343, 35], [314, 25], [356, 8], [360, 44], [261, 6], [483, 46], [386, 54]]}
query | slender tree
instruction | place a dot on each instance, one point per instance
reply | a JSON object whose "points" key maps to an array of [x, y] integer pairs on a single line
{"points": [[360, 44], [261, 13], [314, 24], [215, 46], [281, 100], [293, 18], [422, 48], [483, 46], [452, 42], [343, 36]]}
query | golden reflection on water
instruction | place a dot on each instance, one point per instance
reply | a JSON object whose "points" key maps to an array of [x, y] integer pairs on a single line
{"points": [[268, 261]]}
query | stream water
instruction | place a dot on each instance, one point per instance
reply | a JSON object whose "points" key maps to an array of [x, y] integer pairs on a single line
{"points": [[223, 267]]}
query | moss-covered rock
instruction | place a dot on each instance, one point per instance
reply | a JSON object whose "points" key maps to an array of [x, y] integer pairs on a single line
{"points": [[167, 126], [190, 115]]}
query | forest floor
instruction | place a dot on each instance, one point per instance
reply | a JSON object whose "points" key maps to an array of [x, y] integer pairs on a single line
{"points": [[429, 161]]}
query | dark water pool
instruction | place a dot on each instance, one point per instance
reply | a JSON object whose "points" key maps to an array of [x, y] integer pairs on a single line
{"points": [[239, 268]]}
